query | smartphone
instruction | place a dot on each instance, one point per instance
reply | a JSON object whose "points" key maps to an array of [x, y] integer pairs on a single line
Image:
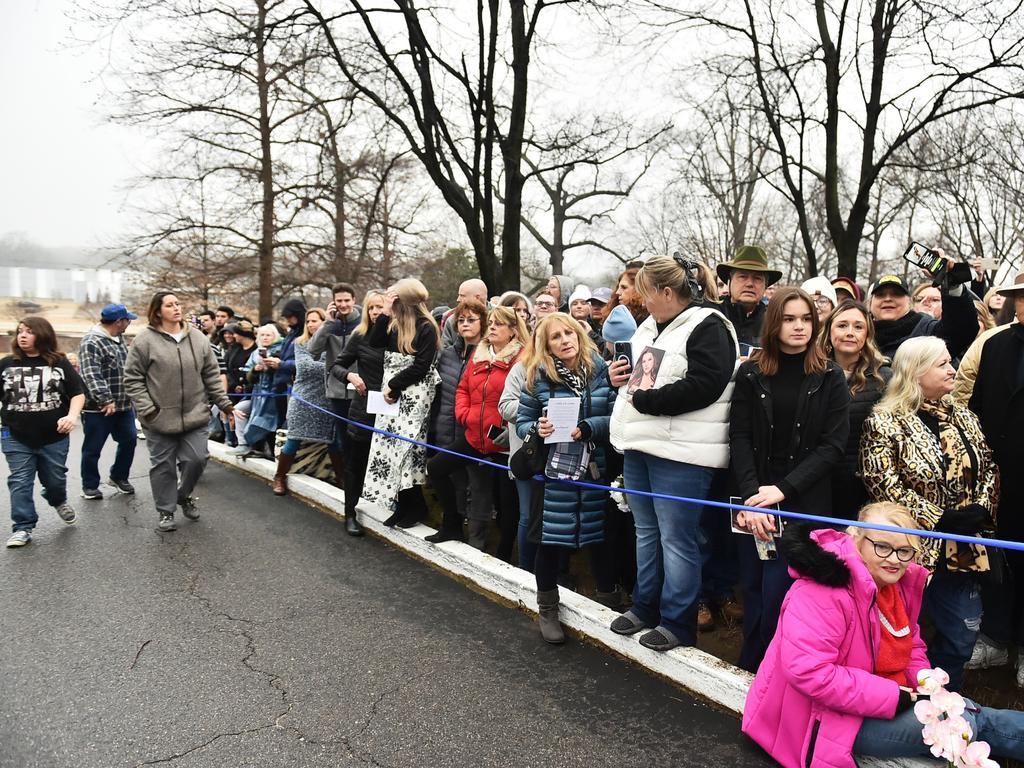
{"points": [[989, 264], [494, 431], [925, 258], [262, 352], [747, 349], [623, 350]]}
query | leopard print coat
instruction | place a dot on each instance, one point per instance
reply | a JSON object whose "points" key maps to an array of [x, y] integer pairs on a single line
{"points": [[900, 461]]}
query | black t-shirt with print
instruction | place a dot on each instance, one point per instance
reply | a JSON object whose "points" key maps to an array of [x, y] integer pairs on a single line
{"points": [[35, 395]]}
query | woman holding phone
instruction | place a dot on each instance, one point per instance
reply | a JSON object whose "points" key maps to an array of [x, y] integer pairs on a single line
{"points": [[787, 431], [673, 437]]}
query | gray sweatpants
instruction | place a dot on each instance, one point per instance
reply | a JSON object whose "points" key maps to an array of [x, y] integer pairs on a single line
{"points": [[170, 454]]}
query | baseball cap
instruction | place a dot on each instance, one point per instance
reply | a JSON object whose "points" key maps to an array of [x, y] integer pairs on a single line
{"points": [[892, 281], [114, 312], [601, 295]]}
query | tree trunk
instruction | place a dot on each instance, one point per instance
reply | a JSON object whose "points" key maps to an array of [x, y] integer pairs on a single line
{"points": [[512, 150], [266, 254]]}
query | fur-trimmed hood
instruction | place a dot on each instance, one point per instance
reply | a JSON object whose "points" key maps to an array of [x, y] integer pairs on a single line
{"points": [[830, 558]]}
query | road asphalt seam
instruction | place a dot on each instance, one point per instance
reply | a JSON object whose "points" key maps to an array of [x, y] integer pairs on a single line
{"points": [[697, 672]]}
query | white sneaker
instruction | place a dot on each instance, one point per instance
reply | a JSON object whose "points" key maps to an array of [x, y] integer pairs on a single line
{"points": [[19, 539], [986, 656]]}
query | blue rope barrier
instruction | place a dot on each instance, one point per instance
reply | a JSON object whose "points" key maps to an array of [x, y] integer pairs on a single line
{"points": [[825, 520]]}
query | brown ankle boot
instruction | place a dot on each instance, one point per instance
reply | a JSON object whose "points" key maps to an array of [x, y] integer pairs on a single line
{"points": [[279, 485]]}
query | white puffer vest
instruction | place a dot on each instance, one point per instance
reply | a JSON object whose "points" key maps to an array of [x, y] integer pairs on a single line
{"points": [[698, 437]]}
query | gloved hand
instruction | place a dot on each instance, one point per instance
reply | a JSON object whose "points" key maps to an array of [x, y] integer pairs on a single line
{"points": [[965, 521]]}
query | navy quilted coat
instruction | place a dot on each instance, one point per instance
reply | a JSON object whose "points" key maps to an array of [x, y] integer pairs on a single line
{"points": [[573, 516]]}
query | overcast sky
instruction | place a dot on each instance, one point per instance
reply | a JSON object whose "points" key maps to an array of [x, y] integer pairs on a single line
{"points": [[66, 170], [64, 167]]}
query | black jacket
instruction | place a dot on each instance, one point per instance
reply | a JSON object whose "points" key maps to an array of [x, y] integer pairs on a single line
{"points": [[359, 357], [848, 492], [816, 447], [998, 401], [424, 345], [450, 366], [958, 326], [748, 327]]}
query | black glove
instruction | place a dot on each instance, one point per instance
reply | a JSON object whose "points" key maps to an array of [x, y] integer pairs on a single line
{"points": [[965, 521], [586, 433], [905, 702]]}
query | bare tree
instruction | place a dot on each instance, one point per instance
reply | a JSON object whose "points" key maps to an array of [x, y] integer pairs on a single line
{"points": [[852, 88], [585, 171], [454, 110]]}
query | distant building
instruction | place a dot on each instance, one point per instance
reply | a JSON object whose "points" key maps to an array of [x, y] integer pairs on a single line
{"points": [[82, 286]]}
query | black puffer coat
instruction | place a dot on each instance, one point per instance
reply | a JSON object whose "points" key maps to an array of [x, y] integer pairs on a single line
{"points": [[450, 366], [368, 362], [848, 493]]}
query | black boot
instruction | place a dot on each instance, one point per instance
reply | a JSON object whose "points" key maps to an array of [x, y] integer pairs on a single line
{"points": [[547, 608], [450, 530], [352, 525], [412, 508]]}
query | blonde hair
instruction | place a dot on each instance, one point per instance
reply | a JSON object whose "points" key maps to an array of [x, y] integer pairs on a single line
{"points": [[541, 357], [886, 513], [913, 358], [984, 316], [508, 316], [363, 329], [305, 337], [269, 328], [661, 272], [410, 306]]}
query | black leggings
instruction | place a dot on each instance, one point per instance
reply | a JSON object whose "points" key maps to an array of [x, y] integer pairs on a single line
{"points": [[549, 557]]}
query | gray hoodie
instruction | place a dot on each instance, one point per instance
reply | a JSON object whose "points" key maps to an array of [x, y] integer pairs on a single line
{"points": [[172, 383]]}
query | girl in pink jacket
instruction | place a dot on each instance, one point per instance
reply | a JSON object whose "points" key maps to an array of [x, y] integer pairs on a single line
{"points": [[837, 679]]}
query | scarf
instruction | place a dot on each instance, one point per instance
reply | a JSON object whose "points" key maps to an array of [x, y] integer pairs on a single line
{"points": [[574, 380], [891, 332], [897, 640], [959, 479]]}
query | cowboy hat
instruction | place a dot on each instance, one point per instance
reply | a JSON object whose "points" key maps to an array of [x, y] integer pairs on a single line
{"points": [[749, 258]]}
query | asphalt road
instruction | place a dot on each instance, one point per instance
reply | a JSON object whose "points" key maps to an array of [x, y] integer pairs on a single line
{"points": [[262, 635]]}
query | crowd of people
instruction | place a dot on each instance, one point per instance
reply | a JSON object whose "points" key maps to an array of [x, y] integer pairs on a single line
{"points": [[680, 384]]}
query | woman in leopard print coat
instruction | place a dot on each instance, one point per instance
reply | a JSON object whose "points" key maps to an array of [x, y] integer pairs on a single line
{"points": [[923, 451]]}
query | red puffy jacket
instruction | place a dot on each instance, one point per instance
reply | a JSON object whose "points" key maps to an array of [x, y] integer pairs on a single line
{"points": [[476, 399]]}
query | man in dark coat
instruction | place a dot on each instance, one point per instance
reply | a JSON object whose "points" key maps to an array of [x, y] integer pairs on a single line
{"points": [[747, 276], [895, 320], [998, 400], [294, 313]]}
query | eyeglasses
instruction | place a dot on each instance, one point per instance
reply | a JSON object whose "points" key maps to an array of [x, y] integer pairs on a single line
{"points": [[823, 301], [929, 300], [883, 550], [544, 305], [467, 320]]}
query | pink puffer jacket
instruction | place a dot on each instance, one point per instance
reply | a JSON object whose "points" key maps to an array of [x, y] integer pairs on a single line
{"points": [[816, 683]]}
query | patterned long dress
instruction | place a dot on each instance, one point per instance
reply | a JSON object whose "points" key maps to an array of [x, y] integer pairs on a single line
{"points": [[397, 464]]}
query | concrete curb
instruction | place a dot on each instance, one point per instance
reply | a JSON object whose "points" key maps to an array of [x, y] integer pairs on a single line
{"points": [[698, 672]]}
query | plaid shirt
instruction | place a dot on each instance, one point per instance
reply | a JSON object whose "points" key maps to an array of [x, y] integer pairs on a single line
{"points": [[101, 360]]}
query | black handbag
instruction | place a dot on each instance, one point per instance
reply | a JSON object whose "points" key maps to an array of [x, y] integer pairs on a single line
{"points": [[531, 458]]}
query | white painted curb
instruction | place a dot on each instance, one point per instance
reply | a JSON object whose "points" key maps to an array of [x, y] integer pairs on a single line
{"points": [[693, 669]]}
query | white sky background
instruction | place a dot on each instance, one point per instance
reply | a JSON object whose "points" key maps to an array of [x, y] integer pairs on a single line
{"points": [[66, 170], [64, 167]]}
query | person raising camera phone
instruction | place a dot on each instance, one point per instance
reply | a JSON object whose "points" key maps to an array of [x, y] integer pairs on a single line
{"points": [[896, 320]]}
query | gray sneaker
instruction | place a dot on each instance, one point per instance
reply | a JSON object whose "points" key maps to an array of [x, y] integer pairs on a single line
{"points": [[67, 513], [166, 524], [92, 493], [190, 507], [122, 485], [19, 539]]}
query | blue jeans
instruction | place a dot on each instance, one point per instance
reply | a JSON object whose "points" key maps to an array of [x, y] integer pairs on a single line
{"points": [[1003, 729], [97, 428], [953, 603], [24, 463], [668, 559], [719, 547], [527, 549]]}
